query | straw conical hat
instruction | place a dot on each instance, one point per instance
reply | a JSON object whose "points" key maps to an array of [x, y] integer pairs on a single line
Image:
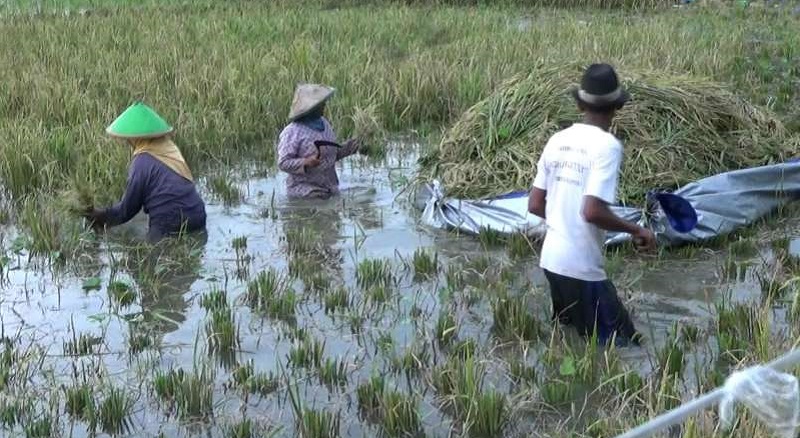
{"points": [[139, 121], [307, 97]]}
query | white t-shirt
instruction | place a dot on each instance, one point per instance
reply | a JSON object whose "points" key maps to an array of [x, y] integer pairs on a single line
{"points": [[582, 160]]}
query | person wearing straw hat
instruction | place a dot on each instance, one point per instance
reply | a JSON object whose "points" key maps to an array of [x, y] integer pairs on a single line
{"points": [[576, 180], [159, 180], [307, 148]]}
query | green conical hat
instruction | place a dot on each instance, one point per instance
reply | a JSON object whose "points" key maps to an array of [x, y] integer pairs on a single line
{"points": [[139, 121]]}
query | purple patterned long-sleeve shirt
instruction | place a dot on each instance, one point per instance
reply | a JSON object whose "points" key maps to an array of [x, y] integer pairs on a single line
{"points": [[297, 143]]}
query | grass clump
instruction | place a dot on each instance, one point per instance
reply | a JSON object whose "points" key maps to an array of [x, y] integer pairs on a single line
{"points": [[225, 190], [513, 320], [677, 129], [370, 393], [270, 293], [222, 332], [82, 345], [190, 395], [446, 329], [40, 428], [333, 373], [79, 403], [262, 383], [336, 299], [319, 424], [114, 412], [399, 416], [374, 273], [425, 264], [215, 299], [307, 353]]}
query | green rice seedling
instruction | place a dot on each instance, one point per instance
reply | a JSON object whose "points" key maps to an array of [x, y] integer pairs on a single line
{"points": [[519, 246], [336, 299], [270, 293], [245, 378], [399, 415], [333, 373], [82, 345], [40, 428], [242, 429], [114, 412], [224, 190], [166, 383], [557, 392], [490, 238], [300, 241], [454, 278], [488, 416], [446, 329], [741, 331], [12, 412], [464, 349], [191, 394], [671, 356], [239, 244], [513, 320], [138, 342], [50, 236], [215, 299], [79, 402], [425, 264], [222, 333], [319, 424], [369, 130], [384, 343], [303, 267], [372, 273], [263, 383], [771, 286], [521, 372], [318, 282], [413, 360], [742, 247], [370, 393], [689, 334], [378, 295], [479, 264], [307, 353], [122, 293]]}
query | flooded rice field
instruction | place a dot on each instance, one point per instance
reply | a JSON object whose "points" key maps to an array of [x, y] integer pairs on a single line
{"points": [[343, 317]]}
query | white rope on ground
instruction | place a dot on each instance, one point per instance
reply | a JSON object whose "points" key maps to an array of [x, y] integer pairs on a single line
{"points": [[773, 396]]}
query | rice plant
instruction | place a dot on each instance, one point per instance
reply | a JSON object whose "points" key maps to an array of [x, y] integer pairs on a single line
{"points": [[319, 424], [122, 293], [12, 412], [114, 412], [399, 416], [271, 294], [43, 427], [138, 342], [336, 300], [225, 190], [426, 265], [82, 345], [513, 320], [222, 333], [370, 393], [242, 429], [215, 299], [369, 130], [189, 394], [446, 329], [333, 373], [378, 295], [489, 237], [262, 383], [413, 360], [488, 415], [300, 241], [372, 273], [519, 246], [307, 353], [454, 278], [79, 403]]}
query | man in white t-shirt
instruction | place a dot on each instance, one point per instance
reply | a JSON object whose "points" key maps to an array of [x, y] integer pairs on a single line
{"points": [[576, 180]]}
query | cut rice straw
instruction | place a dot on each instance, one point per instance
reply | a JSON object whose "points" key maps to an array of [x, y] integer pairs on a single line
{"points": [[676, 129]]}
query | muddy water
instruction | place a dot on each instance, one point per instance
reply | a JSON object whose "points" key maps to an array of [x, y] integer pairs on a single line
{"points": [[369, 220]]}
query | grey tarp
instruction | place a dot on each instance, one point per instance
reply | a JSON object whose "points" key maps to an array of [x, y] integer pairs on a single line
{"points": [[723, 202]]}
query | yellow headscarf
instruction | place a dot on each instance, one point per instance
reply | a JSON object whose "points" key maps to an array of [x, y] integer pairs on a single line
{"points": [[165, 151]]}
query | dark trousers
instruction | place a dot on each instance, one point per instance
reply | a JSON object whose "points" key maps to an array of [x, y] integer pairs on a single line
{"points": [[590, 306]]}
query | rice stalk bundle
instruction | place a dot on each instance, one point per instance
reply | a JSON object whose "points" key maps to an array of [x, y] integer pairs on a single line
{"points": [[676, 129]]}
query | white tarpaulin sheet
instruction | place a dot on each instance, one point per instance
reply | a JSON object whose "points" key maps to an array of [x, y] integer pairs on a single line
{"points": [[723, 203]]}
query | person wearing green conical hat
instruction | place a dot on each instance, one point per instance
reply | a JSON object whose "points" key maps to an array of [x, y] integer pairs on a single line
{"points": [[307, 149], [159, 180]]}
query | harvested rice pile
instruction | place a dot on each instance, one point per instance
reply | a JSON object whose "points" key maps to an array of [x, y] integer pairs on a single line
{"points": [[675, 129]]}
